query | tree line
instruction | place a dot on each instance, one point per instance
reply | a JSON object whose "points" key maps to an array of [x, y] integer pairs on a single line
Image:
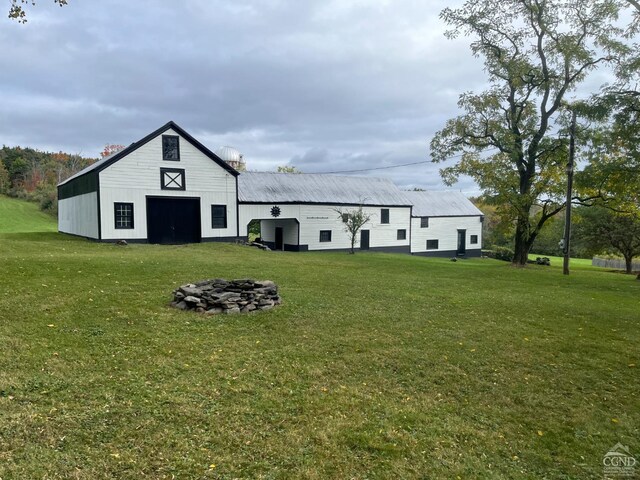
{"points": [[33, 175]]}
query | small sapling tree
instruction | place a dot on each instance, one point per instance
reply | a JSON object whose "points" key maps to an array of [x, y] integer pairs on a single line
{"points": [[353, 221]]}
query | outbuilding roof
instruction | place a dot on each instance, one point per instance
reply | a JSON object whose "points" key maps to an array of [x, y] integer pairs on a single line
{"points": [[442, 204], [114, 157], [268, 187]]}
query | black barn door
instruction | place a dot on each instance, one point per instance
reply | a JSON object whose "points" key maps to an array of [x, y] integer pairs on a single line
{"points": [[462, 242], [364, 239], [173, 220]]}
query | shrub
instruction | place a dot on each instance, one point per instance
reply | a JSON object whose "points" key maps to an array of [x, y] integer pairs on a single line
{"points": [[500, 253]]}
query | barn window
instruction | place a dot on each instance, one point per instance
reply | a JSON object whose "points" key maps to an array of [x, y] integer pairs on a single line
{"points": [[123, 215], [402, 234], [171, 147], [384, 215], [172, 179], [424, 222], [474, 239], [345, 217], [218, 216], [432, 244], [325, 235]]}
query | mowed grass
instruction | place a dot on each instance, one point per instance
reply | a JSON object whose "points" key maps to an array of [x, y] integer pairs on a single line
{"points": [[376, 366], [558, 261], [20, 216]]}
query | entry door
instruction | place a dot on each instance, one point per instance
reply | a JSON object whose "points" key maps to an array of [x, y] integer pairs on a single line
{"points": [[279, 239], [173, 220], [462, 242], [364, 239]]}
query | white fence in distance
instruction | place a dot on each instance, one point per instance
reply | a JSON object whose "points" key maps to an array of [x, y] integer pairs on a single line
{"points": [[616, 263]]}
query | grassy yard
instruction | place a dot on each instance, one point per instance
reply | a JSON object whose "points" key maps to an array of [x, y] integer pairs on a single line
{"points": [[376, 366]]}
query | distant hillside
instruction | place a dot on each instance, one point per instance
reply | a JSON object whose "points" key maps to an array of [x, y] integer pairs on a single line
{"points": [[33, 175], [21, 216]]}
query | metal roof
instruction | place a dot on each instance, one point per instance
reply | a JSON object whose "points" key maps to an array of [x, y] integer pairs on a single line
{"points": [[441, 204], [269, 187]]}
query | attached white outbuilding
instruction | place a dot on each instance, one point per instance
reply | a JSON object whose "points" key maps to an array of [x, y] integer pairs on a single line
{"points": [[169, 188], [303, 211]]}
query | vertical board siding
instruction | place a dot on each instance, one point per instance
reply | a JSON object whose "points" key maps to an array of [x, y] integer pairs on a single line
{"points": [[445, 230], [136, 176], [79, 215], [314, 218]]}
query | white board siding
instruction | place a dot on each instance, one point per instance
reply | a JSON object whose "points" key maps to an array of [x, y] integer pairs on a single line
{"points": [[136, 176], [445, 230], [79, 215], [314, 218]]}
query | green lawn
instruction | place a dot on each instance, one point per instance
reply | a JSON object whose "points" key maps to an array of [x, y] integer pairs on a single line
{"points": [[376, 366], [573, 263], [18, 216]]}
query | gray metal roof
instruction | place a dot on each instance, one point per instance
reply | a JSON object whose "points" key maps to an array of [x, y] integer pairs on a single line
{"points": [[268, 187], [441, 204]]}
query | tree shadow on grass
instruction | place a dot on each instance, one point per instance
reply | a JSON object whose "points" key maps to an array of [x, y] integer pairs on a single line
{"points": [[41, 237]]}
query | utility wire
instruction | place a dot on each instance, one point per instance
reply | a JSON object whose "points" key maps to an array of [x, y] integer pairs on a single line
{"points": [[393, 166]]}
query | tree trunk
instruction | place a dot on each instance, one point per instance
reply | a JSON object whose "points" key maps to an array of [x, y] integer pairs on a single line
{"points": [[523, 243], [628, 263]]}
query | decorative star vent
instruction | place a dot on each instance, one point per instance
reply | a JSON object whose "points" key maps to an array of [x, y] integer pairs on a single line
{"points": [[275, 211]]}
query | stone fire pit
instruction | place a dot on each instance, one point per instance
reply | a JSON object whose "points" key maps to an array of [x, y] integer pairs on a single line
{"points": [[216, 296]]}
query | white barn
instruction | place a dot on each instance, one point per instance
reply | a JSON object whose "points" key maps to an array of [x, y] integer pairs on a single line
{"points": [[169, 188], [165, 188]]}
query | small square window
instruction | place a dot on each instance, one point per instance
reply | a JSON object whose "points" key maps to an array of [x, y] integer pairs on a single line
{"points": [[172, 179], [345, 217], [424, 222], [171, 147], [123, 214], [384, 215], [432, 244], [218, 216], [402, 234], [473, 240], [325, 235]]}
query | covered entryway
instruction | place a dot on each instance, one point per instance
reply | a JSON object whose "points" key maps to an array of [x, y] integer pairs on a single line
{"points": [[173, 220]]}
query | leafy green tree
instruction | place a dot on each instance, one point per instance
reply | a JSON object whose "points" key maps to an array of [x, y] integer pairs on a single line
{"points": [[353, 220], [18, 13], [605, 230], [5, 181], [535, 52], [287, 169]]}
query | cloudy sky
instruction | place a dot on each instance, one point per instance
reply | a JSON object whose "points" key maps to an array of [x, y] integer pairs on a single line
{"points": [[327, 85]]}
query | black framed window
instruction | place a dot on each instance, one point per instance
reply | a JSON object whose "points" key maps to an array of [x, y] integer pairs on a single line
{"points": [[325, 235], [172, 179], [171, 148], [345, 217], [218, 216], [402, 234], [384, 215], [432, 244], [123, 215], [474, 239], [424, 222]]}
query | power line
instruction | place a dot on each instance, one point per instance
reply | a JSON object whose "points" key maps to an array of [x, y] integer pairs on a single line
{"points": [[395, 166]]}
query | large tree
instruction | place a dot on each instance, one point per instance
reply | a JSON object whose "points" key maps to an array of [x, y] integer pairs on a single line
{"points": [[508, 138], [605, 230]]}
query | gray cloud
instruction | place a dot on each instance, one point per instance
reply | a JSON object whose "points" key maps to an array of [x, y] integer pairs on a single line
{"points": [[323, 85]]}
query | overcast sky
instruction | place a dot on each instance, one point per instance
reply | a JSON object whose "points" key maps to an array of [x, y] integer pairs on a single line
{"points": [[323, 85]]}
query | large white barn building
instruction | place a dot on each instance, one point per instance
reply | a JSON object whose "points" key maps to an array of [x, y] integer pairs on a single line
{"points": [[169, 188]]}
